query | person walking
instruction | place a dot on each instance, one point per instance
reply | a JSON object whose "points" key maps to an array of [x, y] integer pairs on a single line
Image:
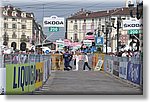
{"points": [[66, 57], [86, 62], [76, 60]]}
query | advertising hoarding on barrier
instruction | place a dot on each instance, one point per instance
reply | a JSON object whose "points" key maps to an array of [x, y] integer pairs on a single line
{"points": [[98, 65], [2, 81], [39, 74], [123, 69], [109, 66], [46, 72], [132, 24], [133, 73], [116, 66], [53, 21], [20, 78]]}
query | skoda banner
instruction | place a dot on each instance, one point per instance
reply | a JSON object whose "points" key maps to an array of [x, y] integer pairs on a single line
{"points": [[132, 24], [53, 21]]}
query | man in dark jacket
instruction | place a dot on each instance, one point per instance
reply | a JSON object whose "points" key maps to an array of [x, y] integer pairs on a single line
{"points": [[67, 58]]}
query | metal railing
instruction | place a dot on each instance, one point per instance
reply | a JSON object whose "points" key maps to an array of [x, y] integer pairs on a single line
{"points": [[128, 68], [22, 58]]}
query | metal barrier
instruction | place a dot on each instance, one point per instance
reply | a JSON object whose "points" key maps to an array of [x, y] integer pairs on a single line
{"points": [[57, 62], [1, 61], [24, 73], [128, 68]]}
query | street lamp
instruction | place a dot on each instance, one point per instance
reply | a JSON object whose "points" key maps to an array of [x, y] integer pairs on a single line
{"points": [[107, 31], [118, 27], [139, 9]]}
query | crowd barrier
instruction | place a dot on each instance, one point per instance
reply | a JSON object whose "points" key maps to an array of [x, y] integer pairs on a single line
{"points": [[24, 73], [57, 62], [96, 57], [130, 69]]}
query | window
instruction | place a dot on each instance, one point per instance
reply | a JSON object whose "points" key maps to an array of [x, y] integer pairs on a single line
{"points": [[103, 28], [14, 19], [14, 36], [14, 13], [128, 18], [14, 26], [84, 28], [84, 20], [23, 26], [75, 37], [5, 12], [5, 36], [71, 21], [123, 18], [28, 38], [6, 25], [23, 37], [23, 14], [5, 18], [75, 27], [92, 27], [23, 20]]}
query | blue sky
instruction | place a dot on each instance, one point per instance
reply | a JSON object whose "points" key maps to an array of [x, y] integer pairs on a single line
{"points": [[61, 8]]}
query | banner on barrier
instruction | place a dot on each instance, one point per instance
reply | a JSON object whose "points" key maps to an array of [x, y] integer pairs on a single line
{"points": [[116, 68], [39, 74], [2, 81], [98, 65], [123, 69], [46, 72], [134, 72], [20, 78], [109, 66]]}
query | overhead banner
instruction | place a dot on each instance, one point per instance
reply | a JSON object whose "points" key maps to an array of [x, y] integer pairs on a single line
{"points": [[132, 24], [53, 21]]}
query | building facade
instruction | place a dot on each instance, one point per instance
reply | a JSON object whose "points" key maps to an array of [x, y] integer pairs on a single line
{"points": [[85, 23], [19, 30]]}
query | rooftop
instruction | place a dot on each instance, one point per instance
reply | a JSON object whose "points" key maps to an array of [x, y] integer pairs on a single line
{"points": [[116, 11], [10, 9]]}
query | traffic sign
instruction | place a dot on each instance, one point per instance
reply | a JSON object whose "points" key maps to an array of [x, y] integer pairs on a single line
{"points": [[99, 40], [47, 51], [53, 29], [135, 31]]}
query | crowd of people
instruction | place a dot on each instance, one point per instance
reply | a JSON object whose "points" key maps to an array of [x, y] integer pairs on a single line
{"points": [[68, 56], [128, 53]]}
